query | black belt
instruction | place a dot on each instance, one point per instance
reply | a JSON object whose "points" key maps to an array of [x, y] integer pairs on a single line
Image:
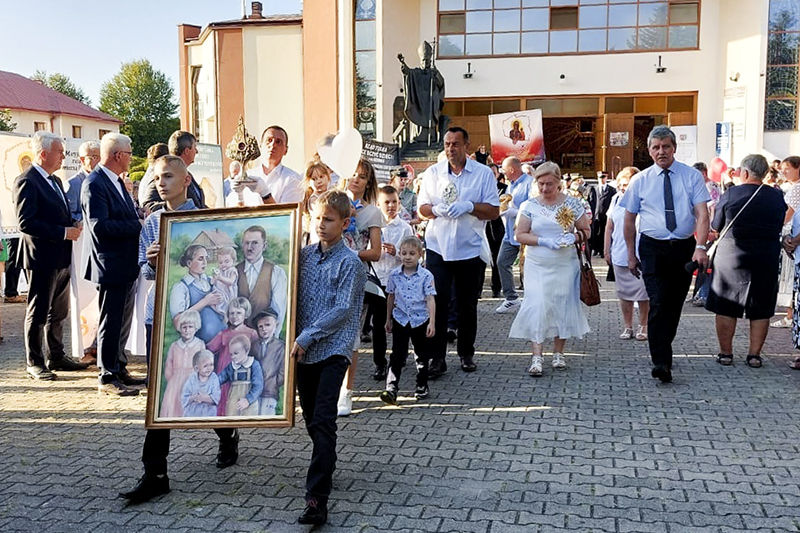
{"points": [[668, 242]]}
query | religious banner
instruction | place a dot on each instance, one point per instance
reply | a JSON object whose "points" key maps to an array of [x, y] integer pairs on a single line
{"points": [[209, 174], [385, 157], [724, 136], [518, 134], [16, 157]]}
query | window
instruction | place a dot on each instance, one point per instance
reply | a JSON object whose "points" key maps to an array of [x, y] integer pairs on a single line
{"points": [[365, 66], [780, 113], [538, 27], [39, 126], [100, 133], [76, 132]]}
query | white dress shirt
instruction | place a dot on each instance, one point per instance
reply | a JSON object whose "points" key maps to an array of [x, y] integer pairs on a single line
{"points": [[461, 238], [283, 183], [114, 181], [394, 232]]}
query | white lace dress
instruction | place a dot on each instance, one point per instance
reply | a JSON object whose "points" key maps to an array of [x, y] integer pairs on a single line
{"points": [[552, 306]]}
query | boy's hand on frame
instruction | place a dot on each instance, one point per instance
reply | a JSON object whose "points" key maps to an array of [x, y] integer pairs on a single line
{"points": [[298, 352]]}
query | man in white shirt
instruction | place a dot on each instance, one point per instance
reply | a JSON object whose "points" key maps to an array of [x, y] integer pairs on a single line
{"points": [[262, 282], [275, 183], [457, 196]]}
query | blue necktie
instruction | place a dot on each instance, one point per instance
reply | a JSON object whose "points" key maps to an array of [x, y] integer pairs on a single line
{"points": [[669, 203]]}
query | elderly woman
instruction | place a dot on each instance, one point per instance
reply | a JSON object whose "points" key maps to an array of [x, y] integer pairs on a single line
{"points": [[745, 268], [550, 224], [629, 288]]}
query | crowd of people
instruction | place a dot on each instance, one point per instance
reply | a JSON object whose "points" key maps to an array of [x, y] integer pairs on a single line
{"points": [[405, 259]]}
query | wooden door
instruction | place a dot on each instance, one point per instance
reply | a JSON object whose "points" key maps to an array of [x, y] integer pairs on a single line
{"points": [[478, 128], [618, 142]]}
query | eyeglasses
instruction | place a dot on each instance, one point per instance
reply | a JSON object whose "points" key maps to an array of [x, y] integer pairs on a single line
{"points": [[123, 152]]}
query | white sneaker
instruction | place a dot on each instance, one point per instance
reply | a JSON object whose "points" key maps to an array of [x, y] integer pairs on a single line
{"points": [[558, 361], [345, 404], [507, 306], [535, 369], [782, 323]]}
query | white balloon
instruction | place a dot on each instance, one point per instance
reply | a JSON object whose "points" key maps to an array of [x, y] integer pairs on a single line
{"points": [[343, 152]]}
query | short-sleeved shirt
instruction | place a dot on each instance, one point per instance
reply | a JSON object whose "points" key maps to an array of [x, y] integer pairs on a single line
{"points": [[461, 238], [793, 197], [410, 295], [395, 231], [519, 190], [619, 249], [367, 217], [283, 183], [645, 197]]}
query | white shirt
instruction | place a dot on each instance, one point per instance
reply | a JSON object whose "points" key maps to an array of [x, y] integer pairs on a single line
{"points": [[520, 191], [619, 250], [461, 238], [283, 183], [394, 232], [46, 176], [114, 180], [252, 270]]}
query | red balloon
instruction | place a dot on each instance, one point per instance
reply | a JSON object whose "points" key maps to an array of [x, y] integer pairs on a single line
{"points": [[716, 169]]}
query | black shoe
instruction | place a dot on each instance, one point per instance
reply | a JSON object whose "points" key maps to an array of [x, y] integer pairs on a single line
{"points": [[366, 338], [117, 388], [467, 364], [379, 374], [497, 294], [452, 335], [389, 397], [148, 488], [315, 513], [66, 364], [422, 392], [437, 368], [228, 451], [663, 374], [40, 373], [127, 379]]}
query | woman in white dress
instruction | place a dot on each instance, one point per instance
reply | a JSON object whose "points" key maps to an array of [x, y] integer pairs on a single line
{"points": [[550, 225]]}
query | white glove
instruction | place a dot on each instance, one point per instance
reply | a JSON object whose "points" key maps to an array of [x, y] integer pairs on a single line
{"points": [[568, 239], [458, 209], [259, 187], [549, 243], [440, 210]]}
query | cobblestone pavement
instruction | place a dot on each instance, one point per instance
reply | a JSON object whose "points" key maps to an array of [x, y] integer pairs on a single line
{"points": [[598, 447]]}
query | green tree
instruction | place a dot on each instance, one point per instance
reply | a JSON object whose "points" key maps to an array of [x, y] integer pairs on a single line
{"points": [[5, 121], [61, 83], [143, 98]]}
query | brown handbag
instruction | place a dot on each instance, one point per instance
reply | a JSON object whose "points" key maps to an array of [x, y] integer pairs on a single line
{"points": [[590, 287]]}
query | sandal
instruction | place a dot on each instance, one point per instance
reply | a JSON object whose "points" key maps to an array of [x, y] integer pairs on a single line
{"points": [[754, 361], [641, 333], [795, 365], [626, 334], [725, 359]]}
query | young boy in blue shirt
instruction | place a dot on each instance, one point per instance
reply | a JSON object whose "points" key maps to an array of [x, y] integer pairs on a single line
{"points": [[329, 300]]}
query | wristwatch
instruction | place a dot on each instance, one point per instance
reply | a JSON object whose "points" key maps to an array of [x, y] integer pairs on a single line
{"points": [[701, 247]]}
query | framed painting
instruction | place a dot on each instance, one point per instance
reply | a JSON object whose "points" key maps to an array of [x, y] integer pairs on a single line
{"points": [[223, 325]]}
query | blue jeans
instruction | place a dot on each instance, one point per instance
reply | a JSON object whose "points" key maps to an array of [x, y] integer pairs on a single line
{"points": [[505, 265]]}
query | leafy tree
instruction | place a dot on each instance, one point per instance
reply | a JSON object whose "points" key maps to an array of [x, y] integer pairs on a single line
{"points": [[5, 121], [61, 83], [144, 99]]}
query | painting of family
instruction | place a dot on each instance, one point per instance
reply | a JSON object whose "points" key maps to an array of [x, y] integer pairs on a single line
{"points": [[224, 307]]}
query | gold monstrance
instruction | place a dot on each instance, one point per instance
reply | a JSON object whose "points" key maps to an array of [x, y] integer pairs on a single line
{"points": [[565, 217], [242, 148]]}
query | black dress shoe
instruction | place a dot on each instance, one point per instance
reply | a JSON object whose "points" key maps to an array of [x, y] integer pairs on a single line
{"points": [[117, 388], [148, 488], [437, 368], [467, 364], [663, 374], [452, 335], [40, 373], [67, 364], [228, 452], [315, 513], [127, 379], [379, 374]]}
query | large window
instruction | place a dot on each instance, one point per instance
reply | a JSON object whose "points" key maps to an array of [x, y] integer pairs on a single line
{"points": [[538, 27], [782, 65], [366, 71]]}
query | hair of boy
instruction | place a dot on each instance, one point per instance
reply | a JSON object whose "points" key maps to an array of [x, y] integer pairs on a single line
{"points": [[170, 160], [227, 250], [155, 151], [241, 303], [201, 356], [336, 200], [189, 253], [190, 317], [242, 340], [266, 313], [412, 241], [387, 189]]}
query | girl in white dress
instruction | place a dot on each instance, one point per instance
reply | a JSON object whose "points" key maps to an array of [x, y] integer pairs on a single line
{"points": [[550, 225]]}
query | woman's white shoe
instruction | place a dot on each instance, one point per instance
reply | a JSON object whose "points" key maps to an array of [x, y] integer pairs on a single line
{"points": [[535, 369], [626, 334], [558, 361]]}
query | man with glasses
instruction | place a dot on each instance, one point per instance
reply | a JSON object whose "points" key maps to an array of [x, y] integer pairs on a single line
{"points": [[89, 155], [111, 260]]}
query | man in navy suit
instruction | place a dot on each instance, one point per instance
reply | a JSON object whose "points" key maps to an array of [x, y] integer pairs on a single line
{"points": [[89, 155], [45, 253], [111, 259]]}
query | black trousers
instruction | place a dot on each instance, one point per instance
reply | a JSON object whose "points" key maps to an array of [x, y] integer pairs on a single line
{"points": [[12, 270], [377, 313], [667, 283], [48, 308], [116, 315], [495, 231], [156, 448], [318, 387], [400, 338], [467, 275]]}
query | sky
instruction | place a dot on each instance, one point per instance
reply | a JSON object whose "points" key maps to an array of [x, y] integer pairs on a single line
{"points": [[89, 40]]}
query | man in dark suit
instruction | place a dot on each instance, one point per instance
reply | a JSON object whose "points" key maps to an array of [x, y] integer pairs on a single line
{"points": [[111, 259], [602, 202], [184, 145], [89, 155], [45, 253]]}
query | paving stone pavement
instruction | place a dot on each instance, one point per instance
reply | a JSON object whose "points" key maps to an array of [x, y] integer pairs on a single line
{"points": [[598, 447]]}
